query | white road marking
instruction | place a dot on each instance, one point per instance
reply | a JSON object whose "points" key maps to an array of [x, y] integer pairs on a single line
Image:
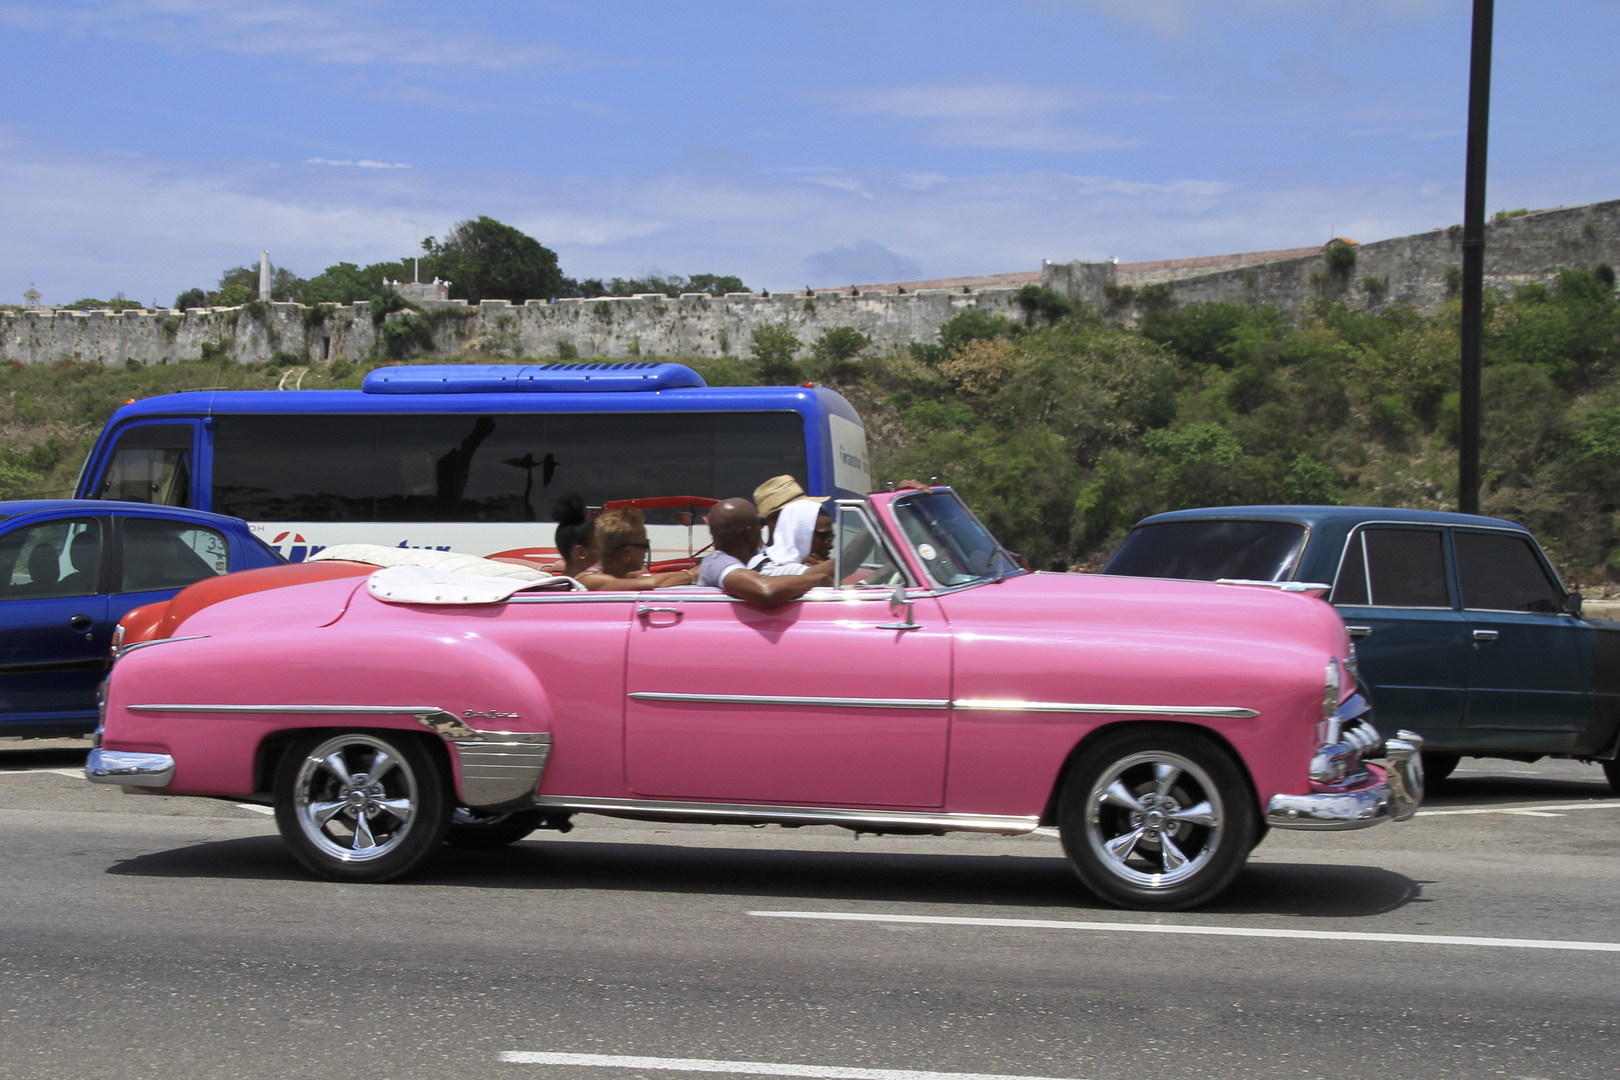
{"points": [[1538, 811], [72, 774], [748, 1068], [1211, 931], [256, 808]]}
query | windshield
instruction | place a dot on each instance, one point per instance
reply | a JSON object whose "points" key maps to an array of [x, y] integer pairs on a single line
{"points": [[1211, 550], [949, 540]]}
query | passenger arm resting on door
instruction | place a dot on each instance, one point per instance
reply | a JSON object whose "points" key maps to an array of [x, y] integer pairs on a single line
{"points": [[745, 584]]}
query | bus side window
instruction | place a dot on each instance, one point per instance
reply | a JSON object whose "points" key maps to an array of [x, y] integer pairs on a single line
{"points": [[150, 464]]}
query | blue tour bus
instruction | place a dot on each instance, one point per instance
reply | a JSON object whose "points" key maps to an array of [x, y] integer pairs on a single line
{"points": [[470, 457]]}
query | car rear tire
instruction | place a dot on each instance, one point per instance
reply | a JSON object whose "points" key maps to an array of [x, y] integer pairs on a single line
{"points": [[482, 829], [1611, 769], [1157, 818], [361, 806], [1436, 767]]}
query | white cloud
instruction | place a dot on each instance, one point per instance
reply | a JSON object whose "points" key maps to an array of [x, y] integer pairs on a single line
{"points": [[161, 227], [995, 115], [357, 33], [363, 163]]}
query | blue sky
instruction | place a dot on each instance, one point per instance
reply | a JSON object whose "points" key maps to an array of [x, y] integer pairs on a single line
{"points": [[148, 144]]}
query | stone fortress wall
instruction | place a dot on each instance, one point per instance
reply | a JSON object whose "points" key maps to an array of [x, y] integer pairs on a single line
{"points": [[1409, 269]]}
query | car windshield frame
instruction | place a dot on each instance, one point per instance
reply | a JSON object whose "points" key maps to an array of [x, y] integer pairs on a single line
{"points": [[1290, 569], [999, 564]]}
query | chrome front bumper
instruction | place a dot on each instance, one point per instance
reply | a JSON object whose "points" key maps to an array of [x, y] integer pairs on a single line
{"points": [[129, 769], [1395, 798]]}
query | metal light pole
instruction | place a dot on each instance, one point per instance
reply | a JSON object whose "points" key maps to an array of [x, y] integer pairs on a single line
{"points": [[1473, 257]]}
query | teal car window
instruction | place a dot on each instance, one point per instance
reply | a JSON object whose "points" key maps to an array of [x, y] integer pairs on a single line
{"points": [[1209, 550], [1499, 572], [1393, 568]]}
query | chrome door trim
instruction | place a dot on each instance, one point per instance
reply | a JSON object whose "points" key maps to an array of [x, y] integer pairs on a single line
{"points": [[1224, 712], [127, 649], [790, 815], [295, 710], [814, 702]]}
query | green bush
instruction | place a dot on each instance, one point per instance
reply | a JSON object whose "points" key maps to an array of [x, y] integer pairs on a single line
{"points": [[403, 337], [836, 351], [773, 350]]}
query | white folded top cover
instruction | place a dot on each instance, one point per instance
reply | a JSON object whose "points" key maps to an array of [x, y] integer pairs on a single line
{"points": [[423, 576]]}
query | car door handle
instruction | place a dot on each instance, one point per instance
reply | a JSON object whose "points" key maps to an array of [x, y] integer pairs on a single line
{"points": [[1487, 635], [1359, 631], [644, 612], [81, 622]]}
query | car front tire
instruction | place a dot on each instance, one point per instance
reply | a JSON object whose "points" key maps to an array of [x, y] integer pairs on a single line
{"points": [[1157, 818], [361, 806]]}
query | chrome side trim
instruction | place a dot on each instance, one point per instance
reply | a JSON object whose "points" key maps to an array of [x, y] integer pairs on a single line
{"points": [[500, 770], [815, 702], [753, 813], [1310, 588], [129, 769], [125, 650], [1223, 712], [296, 710]]}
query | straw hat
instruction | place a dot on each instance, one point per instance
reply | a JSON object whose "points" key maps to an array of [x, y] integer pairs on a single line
{"points": [[777, 492]]}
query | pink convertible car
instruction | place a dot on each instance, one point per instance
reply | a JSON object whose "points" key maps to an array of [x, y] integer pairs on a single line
{"points": [[1161, 726]]}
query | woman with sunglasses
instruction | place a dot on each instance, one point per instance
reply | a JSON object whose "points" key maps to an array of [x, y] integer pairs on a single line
{"points": [[621, 544]]}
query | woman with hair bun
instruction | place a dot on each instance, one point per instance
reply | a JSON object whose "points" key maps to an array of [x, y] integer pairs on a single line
{"points": [[576, 535], [621, 543]]}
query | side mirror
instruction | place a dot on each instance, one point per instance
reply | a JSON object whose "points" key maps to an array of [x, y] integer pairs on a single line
{"points": [[1572, 604], [898, 602]]}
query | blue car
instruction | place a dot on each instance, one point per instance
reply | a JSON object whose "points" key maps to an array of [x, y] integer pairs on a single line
{"points": [[69, 570], [1463, 631]]}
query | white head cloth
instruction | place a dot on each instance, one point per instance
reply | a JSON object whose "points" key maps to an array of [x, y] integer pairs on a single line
{"points": [[794, 531]]}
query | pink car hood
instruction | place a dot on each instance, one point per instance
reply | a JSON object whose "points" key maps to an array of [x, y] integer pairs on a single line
{"points": [[1159, 606]]}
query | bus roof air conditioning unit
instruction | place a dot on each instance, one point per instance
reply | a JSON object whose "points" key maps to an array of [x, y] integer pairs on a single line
{"points": [[531, 378]]}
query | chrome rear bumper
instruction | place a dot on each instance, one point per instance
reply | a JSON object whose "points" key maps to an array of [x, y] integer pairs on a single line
{"points": [[1396, 798], [127, 768]]}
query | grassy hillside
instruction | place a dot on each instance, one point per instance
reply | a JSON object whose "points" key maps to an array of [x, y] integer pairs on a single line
{"points": [[1065, 428]]}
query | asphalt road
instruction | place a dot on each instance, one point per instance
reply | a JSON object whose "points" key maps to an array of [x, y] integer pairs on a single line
{"points": [[170, 937]]}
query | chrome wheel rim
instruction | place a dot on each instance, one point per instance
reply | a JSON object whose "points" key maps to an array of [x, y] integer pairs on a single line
{"points": [[1154, 819], [355, 798]]}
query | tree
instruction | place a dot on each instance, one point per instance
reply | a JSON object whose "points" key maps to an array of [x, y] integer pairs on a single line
{"points": [[191, 298], [486, 260], [838, 349], [773, 348]]}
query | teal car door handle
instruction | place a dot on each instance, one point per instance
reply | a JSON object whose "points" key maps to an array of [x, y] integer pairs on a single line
{"points": [[1485, 636], [1358, 631]]}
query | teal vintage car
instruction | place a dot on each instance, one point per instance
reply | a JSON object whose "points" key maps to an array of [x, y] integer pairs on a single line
{"points": [[1463, 631]]}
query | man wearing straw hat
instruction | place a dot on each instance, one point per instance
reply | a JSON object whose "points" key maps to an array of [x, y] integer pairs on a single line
{"points": [[794, 519]]}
